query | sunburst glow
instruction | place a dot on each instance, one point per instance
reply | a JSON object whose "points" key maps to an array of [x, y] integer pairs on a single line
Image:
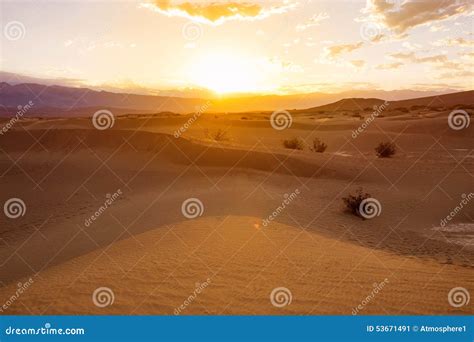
{"points": [[227, 73]]}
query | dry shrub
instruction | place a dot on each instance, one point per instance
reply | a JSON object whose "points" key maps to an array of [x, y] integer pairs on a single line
{"points": [[353, 202], [385, 149], [219, 135], [319, 146], [294, 143]]}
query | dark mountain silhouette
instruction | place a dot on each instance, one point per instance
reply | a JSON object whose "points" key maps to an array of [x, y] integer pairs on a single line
{"points": [[464, 98], [53, 100]]}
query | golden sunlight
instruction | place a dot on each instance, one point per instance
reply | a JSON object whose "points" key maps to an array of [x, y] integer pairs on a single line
{"points": [[227, 73]]}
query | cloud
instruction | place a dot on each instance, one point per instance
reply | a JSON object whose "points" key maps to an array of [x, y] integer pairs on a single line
{"points": [[402, 16], [358, 63], [438, 28], [413, 58], [452, 65], [214, 12], [432, 59], [404, 55], [468, 56], [378, 38], [85, 45], [411, 46], [389, 66], [331, 87], [278, 65], [457, 74], [450, 87], [448, 68], [336, 50], [313, 21], [462, 42]]}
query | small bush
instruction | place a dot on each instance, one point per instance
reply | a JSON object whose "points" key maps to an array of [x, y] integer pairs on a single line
{"points": [[353, 202], [385, 150], [219, 135], [294, 143], [319, 146]]}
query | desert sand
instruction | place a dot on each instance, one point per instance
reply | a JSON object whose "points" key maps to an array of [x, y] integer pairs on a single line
{"points": [[153, 258]]}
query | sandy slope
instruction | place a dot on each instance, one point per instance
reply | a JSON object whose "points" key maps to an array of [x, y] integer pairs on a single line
{"points": [[154, 273], [153, 257]]}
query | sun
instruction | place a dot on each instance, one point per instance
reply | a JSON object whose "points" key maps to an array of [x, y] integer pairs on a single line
{"points": [[227, 73]]}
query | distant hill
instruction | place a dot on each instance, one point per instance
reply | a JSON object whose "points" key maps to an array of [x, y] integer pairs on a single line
{"points": [[53, 100], [350, 104], [447, 100], [360, 104], [70, 100]]}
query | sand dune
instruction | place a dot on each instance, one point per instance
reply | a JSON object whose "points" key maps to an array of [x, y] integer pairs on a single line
{"points": [[151, 256], [154, 273]]}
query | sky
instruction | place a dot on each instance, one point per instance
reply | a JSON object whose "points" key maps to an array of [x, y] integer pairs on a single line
{"points": [[281, 47]]}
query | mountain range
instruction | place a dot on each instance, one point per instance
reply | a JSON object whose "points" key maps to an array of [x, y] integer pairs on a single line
{"points": [[54, 100]]}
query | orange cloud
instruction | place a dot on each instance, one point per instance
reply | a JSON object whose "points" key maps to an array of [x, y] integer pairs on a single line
{"points": [[389, 66], [358, 63], [313, 21], [455, 42], [413, 58], [457, 68], [457, 74], [217, 12], [402, 16], [337, 50]]}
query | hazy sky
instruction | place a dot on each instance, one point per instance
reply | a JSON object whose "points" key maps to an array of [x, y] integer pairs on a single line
{"points": [[226, 46]]}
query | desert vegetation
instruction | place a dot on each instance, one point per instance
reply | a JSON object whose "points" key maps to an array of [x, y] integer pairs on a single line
{"points": [[219, 135], [385, 149], [294, 143], [319, 146], [353, 201]]}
